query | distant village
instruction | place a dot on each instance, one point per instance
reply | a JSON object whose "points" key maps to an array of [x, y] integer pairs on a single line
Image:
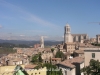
{"points": [[70, 56]]}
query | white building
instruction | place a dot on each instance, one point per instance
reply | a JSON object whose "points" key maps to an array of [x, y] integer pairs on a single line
{"points": [[67, 34], [42, 42], [72, 66]]}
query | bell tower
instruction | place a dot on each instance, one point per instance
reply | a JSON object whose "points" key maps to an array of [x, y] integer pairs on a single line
{"points": [[42, 42], [67, 34]]}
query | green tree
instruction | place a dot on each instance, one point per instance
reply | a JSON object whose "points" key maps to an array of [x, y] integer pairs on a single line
{"points": [[93, 68], [35, 58], [52, 49], [60, 54], [51, 69], [40, 58], [95, 44]]}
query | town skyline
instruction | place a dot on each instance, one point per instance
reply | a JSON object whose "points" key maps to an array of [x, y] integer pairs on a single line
{"points": [[28, 20]]}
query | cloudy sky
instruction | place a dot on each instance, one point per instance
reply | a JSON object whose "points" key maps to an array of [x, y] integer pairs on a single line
{"points": [[30, 19]]}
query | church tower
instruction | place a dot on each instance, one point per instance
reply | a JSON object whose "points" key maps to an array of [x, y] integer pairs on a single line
{"points": [[42, 42], [67, 34]]}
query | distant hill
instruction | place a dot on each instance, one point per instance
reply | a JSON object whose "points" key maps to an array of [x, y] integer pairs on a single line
{"points": [[30, 43]]}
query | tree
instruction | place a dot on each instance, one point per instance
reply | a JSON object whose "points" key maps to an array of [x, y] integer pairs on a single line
{"points": [[52, 49], [35, 58], [51, 69], [59, 54], [95, 44], [93, 68], [40, 58]]}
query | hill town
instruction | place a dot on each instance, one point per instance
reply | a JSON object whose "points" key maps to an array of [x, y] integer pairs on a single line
{"points": [[71, 57]]}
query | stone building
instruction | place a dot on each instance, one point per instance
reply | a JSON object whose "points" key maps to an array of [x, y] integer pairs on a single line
{"points": [[70, 47], [46, 55], [37, 45], [42, 42], [79, 53], [67, 34], [80, 37], [68, 37], [92, 40], [72, 66], [91, 53], [29, 70], [55, 60], [67, 55], [98, 38]]}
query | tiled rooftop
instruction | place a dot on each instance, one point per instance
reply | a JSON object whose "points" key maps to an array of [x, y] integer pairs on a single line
{"points": [[70, 62], [79, 51], [30, 66]]}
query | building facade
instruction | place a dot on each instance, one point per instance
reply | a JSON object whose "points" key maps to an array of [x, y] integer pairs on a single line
{"points": [[80, 37], [70, 47], [91, 53], [67, 34], [72, 66], [68, 37], [98, 38], [9, 70], [92, 40]]}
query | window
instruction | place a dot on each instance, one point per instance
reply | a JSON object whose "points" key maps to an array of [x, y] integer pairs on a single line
{"points": [[93, 55], [84, 37], [65, 72]]}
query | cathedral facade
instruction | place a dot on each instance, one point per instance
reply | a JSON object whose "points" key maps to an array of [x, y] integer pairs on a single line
{"points": [[68, 37]]}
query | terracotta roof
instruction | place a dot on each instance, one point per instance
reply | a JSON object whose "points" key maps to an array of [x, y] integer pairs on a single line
{"points": [[86, 45], [17, 59], [78, 60], [55, 58], [47, 49], [70, 62], [30, 66], [67, 63], [79, 51], [67, 53]]}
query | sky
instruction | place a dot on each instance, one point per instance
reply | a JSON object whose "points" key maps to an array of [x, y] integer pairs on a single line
{"points": [[30, 19]]}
